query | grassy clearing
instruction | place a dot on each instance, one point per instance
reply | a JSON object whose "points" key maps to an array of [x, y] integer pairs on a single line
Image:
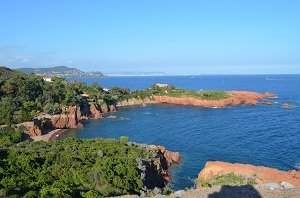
{"points": [[177, 92], [227, 180]]}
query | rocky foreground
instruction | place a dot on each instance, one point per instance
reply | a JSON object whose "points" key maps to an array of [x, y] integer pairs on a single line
{"points": [[260, 174], [230, 192], [269, 182]]}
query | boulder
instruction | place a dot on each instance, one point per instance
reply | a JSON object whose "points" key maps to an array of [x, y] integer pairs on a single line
{"points": [[271, 186], [268, 103], [286, 105], [287, 185]]}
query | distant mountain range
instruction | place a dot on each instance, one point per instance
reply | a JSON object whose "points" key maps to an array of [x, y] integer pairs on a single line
{"points": [[60, 71]]}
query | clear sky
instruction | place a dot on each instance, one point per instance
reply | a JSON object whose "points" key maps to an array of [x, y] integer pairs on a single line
{"points": [[170, 36]]}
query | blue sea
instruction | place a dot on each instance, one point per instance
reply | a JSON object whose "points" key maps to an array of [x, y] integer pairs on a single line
{"points": [[259, 135]]}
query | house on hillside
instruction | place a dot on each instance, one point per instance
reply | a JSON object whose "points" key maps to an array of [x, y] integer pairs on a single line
{"points": [[161, 85], [47, 79]]}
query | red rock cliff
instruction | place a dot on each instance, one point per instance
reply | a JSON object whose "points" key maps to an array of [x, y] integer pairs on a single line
{"points": [[261, 174], [156, 171]]}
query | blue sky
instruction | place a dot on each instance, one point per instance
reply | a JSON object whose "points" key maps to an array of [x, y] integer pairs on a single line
{"points": [[170, 36]]}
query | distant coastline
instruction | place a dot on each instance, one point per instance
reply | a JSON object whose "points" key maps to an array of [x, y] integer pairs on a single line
{"points": [[60, 71]]}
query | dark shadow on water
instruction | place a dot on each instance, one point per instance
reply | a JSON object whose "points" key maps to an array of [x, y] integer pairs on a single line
{"points": [[236, 192]]}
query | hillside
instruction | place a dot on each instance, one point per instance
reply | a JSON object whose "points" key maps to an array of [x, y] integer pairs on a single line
{"points": [[60, 71], [6, 73]]}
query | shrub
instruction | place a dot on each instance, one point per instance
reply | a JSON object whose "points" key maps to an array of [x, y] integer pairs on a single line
{"points": [[123, 139], [71, 168]]}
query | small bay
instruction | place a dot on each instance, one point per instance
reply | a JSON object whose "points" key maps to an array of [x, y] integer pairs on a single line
{"points": [[265, 135]]}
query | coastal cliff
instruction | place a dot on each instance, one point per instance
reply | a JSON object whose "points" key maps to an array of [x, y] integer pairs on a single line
{"points": [[156, 171], [74, 114], [69, 120], [236, 98], [258, 174]]}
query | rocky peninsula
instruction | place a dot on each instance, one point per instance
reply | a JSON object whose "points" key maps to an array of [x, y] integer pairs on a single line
{"points": [[235, 98]]}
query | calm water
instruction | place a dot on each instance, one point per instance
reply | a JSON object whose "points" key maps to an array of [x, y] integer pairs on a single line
{"points": [[260, 135]]}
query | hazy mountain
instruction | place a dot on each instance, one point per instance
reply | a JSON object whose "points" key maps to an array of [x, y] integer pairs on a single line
{"points": [[61, 71]]}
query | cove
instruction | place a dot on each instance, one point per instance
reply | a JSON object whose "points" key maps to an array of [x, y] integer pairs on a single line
{"points": [[259, 135]]}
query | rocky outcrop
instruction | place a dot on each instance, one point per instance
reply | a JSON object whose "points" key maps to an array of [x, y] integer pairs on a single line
{"points": [[32, 128], [112, 108], [268, 103], [236, 98], [66, 121], [90, 110], [107, 108], [286, 105], [168, 157], [95, 112], [156, 171], [260, 174], [135, 102]]}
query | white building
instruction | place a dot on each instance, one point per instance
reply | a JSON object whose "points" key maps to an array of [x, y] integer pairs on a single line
{"points": [[47, 79], [161, 85]]}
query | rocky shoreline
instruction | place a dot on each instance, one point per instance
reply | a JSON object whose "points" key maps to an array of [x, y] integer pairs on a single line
{"points": [[73, 114]]}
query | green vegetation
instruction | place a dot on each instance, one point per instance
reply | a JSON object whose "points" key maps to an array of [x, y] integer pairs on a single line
{"points": [[177, 92], [23, 96], [71, 168], [228, 179], [9, 135]]}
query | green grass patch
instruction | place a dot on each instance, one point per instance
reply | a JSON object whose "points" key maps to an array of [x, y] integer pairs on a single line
{"points": [[177, 92], [227, 180]]}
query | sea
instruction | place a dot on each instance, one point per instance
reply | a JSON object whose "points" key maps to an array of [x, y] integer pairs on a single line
{"points": [[266, 135]]}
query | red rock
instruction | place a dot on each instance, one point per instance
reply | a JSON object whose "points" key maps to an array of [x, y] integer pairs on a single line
{"points": [[261, 174], [96, 113], [112, 108], [237, 98], [34, 131], [31, 128], [170, 157], [286, 105], [104, 108], [268, 103], [65, 121]]}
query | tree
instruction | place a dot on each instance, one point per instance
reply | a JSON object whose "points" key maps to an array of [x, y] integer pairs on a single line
{"points": [[7, 107]]}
